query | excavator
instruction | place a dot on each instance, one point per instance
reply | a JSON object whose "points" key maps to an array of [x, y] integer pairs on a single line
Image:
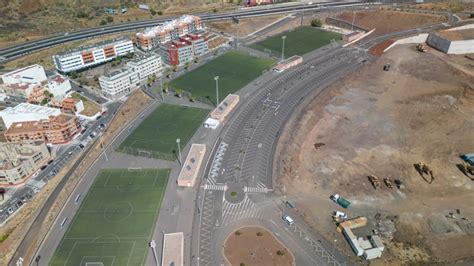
{"points": [[467, 169], [421, 47], [374, 180], [388, 182], [423, 169]]}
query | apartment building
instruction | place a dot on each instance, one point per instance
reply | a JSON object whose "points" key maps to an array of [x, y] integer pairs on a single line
{"points": [[29, 122], [85, 57], [185, 49], [18, 161], [169, 31], [120, 82], [55, 130], [31, 81]]}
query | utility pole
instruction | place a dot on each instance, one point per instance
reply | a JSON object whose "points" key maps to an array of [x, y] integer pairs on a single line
{"points": [[283, 47], [353, 20], [104, 148], [216, 78], [178, 140]]}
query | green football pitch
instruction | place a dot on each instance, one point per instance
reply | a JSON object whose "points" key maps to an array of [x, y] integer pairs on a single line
{"points": [[235, 70], [114, 224], [299, 41], [157, 134]]}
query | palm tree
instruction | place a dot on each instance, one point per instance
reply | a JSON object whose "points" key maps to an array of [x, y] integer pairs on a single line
{"points": [[179, 93]]}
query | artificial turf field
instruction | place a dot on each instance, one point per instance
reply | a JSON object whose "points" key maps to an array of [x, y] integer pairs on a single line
{"points": [[115, 222], [159, 131], [235, 70], [299, 41]]}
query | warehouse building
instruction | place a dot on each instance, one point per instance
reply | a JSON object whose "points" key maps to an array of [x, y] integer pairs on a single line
{"points": [[169, 31], [85, 57], [20, 161], [185, 49], [121, 82]]}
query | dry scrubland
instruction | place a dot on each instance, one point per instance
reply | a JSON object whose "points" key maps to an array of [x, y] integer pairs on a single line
{"points": [[381, 123]]}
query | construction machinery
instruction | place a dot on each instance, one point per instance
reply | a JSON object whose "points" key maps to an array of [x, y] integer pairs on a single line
{"points": [[467, 169], [340, 200], [374, 180], [421, 47], [423, 169], [388, 182]]}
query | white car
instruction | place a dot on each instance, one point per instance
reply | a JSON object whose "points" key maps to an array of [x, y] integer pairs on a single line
{"points": [[288, 219]]}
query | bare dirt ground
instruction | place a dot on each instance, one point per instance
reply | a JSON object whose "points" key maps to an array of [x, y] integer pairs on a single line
{"points": [[380, 123], [389, 21], [245, 25], [16, 227], [256, 246]]}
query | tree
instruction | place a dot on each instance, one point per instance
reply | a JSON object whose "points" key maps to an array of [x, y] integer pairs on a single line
{"points": [[214, 10], [471, 16], [109, 19], [280, 252], [153, 12], [316, 23], [44, 101], [82, 14], [103, 22], [160, 13], [192, 98], [175, 68], [179, 93], [186, 66]]}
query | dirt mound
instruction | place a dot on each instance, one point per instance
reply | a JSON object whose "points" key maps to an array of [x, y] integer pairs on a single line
{"points": [[381, 123]]}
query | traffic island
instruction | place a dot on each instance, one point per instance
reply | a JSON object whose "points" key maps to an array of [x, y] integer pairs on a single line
{"points": [[234, 193]]}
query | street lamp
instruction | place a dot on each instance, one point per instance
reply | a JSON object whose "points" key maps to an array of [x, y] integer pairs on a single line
{"points": [[161, 88], [216, 78], [153, 248], [283, 47], [178, 140], [37, 259]]}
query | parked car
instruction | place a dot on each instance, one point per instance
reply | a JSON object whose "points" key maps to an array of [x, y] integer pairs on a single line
{"points": [[288, 219]]}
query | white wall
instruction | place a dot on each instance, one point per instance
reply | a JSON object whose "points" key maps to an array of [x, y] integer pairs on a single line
{"points": [[461, 47], [420, 38]]}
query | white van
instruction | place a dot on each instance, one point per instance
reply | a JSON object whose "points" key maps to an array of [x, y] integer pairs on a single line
{"points": [[288, 219]]}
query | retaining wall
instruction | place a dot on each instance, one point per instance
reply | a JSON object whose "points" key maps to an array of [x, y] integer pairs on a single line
{"points": [[420, 38], [343, 24], [450, 47]]}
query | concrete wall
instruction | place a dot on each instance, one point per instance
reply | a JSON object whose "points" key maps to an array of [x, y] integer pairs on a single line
{"points": [[465, 27], [438, 42], [461, 47], [343, 24], [420, 38]]}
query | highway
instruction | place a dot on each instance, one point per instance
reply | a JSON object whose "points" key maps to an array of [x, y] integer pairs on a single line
{"points": [[19, 50]]}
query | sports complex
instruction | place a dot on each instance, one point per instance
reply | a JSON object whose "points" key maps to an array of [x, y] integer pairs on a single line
{"points": [[156, 135], [114, 224], [298, 42], [235, 70]]}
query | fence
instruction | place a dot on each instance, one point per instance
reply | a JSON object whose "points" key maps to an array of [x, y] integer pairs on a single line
{"points": [[147, 153]]}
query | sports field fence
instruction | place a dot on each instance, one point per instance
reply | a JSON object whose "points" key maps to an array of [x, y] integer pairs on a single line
{"points": [[147, 153]]}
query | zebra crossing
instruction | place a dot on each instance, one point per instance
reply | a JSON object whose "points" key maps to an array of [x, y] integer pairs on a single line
{"points": [[245, 209], [216, 163], [259, 188], [215, 187]]}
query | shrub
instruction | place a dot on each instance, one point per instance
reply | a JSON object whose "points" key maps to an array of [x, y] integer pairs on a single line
{"points": [[109, 19], [103, 22], [160, 13], [237, 233], [259, 234], [82, 14], [471, 16], [153, 12], [316, 23], [280, 252]]}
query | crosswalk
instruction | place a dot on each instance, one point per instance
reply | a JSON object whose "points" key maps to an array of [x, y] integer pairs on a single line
{"points": [[215, 187], [255, 190], [233, 212]]}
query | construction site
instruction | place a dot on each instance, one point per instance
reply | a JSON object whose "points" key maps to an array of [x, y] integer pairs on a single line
{"points": [[390, 145]]}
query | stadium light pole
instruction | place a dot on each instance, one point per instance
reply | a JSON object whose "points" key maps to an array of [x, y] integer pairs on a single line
{"points": [[178, 140], [216, 78], [153, 248], [283, 47], [161, 88], [104, 148]]}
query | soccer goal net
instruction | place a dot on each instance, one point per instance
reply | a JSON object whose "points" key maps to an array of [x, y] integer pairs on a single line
{"points": [[134, 169], [94, 264], [143, 153]]}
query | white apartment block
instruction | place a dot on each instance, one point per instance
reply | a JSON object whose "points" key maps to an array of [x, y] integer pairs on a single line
{"points": [[118, 83], [89, 56]]}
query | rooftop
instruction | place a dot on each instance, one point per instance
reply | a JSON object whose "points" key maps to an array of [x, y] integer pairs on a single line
{"points": [[116, 73], [173, 249], [20, 70], [92, 46], [26, 108], [32, 126]]}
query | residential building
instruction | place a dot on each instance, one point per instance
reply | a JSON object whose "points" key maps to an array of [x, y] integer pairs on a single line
{"points": [[71, 105], [120, 82], [169, 31], [54, 130], [21, 160], [185, 49], [85, 57], [29, 82]]}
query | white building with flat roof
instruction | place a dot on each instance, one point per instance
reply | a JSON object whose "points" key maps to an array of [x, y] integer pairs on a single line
{"points": [[120, 82], [24, 112], [29, 74], [173, 249], [85, 57]]}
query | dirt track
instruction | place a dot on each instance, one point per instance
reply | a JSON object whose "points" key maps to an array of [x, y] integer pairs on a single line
{"points": [[381, 123]]}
